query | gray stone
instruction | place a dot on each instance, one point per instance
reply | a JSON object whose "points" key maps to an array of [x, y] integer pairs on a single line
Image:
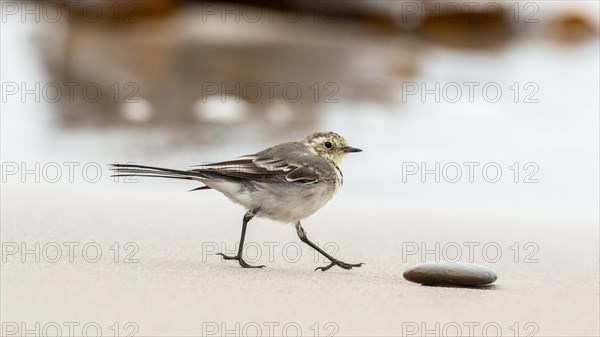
{"points": [[450, 273]]}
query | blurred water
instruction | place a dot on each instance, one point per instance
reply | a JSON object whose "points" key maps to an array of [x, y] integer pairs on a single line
{"points": [[558, 133]]}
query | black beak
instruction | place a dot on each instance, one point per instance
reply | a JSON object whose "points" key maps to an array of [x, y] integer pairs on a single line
{"points": [[349, 149]]}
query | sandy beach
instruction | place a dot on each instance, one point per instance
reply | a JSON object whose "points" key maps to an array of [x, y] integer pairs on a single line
{"points": [[169, 281]]}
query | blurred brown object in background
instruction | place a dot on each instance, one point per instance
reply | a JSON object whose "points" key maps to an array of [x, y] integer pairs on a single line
{"points": [[455, 25], [571, 28], [203, 64], [193, 62], [114, 11]]}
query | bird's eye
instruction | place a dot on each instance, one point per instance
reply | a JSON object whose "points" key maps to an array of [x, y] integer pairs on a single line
{"points": [[328, 145]]}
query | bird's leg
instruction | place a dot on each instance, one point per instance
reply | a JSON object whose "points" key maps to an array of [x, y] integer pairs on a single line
{"points": [[247, 217], [334, 262]]}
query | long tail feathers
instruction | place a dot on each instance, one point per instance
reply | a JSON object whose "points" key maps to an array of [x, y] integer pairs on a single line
{"points": [[131, 170]]}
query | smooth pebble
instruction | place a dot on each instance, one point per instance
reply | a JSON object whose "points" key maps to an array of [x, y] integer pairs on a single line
{"points": [[450, 273]]}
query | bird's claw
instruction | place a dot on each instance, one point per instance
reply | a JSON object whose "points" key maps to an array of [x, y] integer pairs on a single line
{"points": [[228, 257], [340, 264], [241, 261]]}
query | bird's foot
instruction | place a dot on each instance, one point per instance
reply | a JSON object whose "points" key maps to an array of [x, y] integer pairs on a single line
{"points": [[340, 264], [241, 261]]}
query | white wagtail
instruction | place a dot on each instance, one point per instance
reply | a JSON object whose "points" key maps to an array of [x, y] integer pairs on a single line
{"points": [[287, 182]]}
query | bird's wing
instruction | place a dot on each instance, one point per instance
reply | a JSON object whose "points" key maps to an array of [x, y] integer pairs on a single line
{"points": [[283, 163], [304, 174]]}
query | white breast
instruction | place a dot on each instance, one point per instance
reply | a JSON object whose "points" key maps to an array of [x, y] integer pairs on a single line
{"points": [[279, 201]]}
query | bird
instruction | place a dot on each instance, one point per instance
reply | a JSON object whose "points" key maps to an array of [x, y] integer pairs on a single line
{"points": [[287, 182]]}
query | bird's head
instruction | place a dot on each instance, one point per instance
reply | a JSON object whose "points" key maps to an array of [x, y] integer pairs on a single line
{"points": [[329, 145]]}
